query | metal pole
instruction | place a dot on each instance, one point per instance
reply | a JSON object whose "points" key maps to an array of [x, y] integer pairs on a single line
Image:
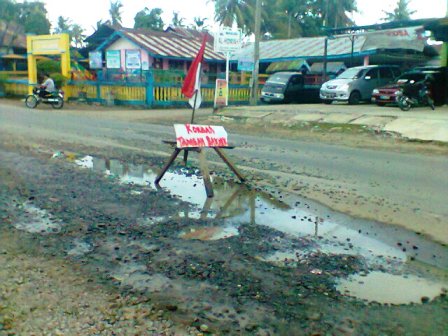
{"points": [[325, 59], [289, 24], [227, 77], [254, 96], [352, 38]]}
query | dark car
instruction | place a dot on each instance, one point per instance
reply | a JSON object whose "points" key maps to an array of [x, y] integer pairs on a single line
{"points": [[387, 94], [286, 87]]}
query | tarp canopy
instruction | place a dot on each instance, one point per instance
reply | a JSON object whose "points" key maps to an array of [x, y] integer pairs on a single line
{"points": [[14, 56], [410, 38], [295, 65]]}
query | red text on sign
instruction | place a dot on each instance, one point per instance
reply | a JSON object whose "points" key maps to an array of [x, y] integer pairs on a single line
{"points": [[199, 129]]}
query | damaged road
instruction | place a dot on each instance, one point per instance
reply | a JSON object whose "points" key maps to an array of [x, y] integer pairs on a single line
{"points": [[78, 206]]}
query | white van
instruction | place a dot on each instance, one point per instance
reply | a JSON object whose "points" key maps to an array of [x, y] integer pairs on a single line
{"points": [[356, 84]]}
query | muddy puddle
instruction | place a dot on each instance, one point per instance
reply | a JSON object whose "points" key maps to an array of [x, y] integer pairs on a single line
{"points": [[399, 260], [247, 261]]}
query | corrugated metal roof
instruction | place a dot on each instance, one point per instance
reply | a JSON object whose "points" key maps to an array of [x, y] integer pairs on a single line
{"points": [[169, 45], [339, 45], [190, 33], [300, 48]]}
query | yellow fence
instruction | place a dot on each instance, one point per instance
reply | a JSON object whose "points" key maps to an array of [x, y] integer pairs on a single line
{"points": [[161, 95], [16, 89], [88, 91]]}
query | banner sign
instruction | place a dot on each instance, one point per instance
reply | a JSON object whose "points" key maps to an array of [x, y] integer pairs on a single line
{"points": [[227, 40], [246, 64], [133, 60], [188, 135], [95, 60], [221, 93], [400, 38], [113, 60]]}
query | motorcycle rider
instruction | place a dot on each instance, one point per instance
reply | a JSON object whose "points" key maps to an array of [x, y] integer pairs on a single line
{"points": [[47, 87]]}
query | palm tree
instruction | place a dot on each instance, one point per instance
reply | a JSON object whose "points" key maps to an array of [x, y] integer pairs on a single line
{"points": [[115, 12], [63, 26], [335, 12], [401, 12], [177, 21], [199, 23], [77, 35], [241, 12]]}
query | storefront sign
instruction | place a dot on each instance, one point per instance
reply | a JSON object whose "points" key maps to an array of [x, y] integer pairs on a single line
{"points": [[113, 60], [227, 40], [95, 60], [221, 93], [188, 135], [133, 59], [246, 64]]}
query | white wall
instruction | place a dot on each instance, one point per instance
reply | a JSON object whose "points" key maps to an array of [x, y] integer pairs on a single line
{"points": [[123, 45]]}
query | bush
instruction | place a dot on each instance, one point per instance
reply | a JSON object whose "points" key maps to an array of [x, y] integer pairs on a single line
{"points": [[59, 80], [48, 66]]}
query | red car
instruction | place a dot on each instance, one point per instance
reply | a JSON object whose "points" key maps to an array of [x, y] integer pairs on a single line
{"points": [[387, 94]]}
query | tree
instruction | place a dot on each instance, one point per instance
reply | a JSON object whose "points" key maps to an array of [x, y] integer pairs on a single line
{"points": [[241, 12], [401, 12], [199, 23], [33, 17], [63, 26], [115, 12], [286, 18], [149, 19], [335, 12], [77, 35], [177, 21], [30, 15], [8, 10]]}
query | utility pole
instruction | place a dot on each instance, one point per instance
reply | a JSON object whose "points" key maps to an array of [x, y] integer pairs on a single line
{"points": [[254, 91]]}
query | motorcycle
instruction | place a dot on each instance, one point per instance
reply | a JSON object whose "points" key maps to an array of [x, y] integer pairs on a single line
{"points": [[55, 99], [414, 94]]}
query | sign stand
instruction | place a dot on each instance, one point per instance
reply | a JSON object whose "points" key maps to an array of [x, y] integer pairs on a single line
{"points": [[192, 120], [202, 163]]}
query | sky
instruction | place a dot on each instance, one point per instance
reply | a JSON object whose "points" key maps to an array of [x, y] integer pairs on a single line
{"points": [[88, 12]]}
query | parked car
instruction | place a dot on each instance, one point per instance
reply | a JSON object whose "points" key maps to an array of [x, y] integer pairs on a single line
{"points": [[286, 87], [387, 94], [356, 84]]}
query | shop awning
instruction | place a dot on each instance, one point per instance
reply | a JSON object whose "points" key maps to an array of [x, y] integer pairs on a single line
{"points": [[295, 65]]}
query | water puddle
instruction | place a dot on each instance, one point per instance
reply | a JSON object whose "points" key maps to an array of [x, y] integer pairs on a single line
{"points": [[36, 220], [390, 288], [210, 233], [389, 252]]}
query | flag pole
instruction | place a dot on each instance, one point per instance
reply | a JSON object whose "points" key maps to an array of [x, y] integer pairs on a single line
{"points": [[192, 121], [194, 106]]}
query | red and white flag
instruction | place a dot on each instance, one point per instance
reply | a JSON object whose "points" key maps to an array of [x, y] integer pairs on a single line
{"points": [[192, 83]]}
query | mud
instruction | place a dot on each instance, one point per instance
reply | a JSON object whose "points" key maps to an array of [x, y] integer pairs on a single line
{"points": [[255, 261]]}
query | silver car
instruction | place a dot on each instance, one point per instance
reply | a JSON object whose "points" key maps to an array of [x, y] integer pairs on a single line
{"points": [[356, 84]]}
